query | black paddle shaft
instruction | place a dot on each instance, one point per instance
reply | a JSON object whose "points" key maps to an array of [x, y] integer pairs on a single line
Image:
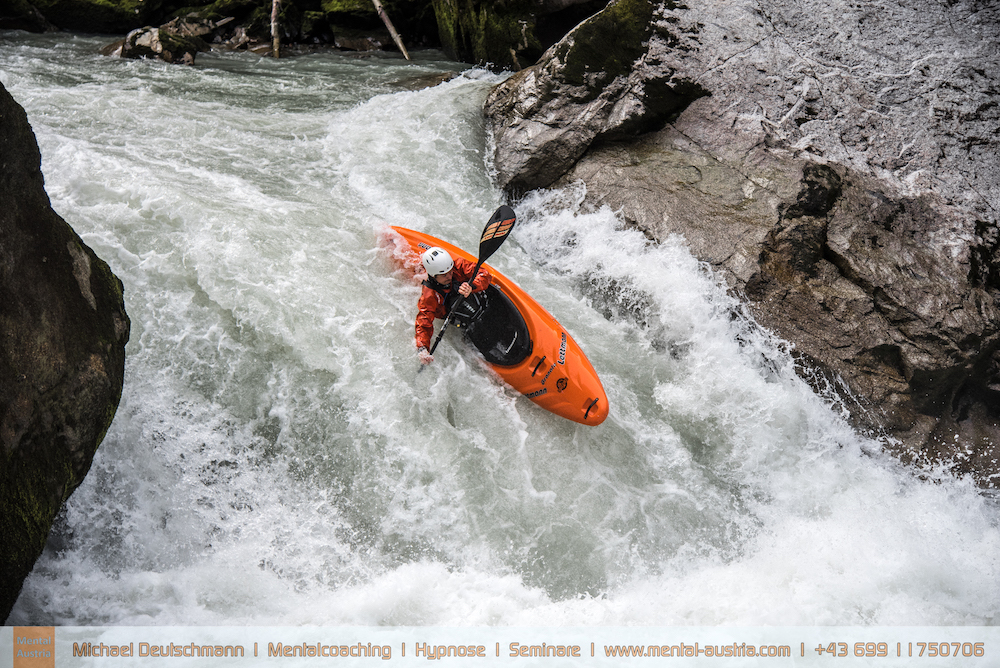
{"points": [[494, 234]]}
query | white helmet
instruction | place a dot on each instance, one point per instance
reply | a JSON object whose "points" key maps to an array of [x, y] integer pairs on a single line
{"points": [[437, 261]]}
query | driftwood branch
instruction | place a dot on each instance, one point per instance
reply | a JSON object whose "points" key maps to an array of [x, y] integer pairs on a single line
{"points": [[388, 24]]}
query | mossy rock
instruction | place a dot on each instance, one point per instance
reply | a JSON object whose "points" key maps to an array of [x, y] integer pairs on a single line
{"points": [[359, 8], [179, 49], [315, 26], [100, 16], [353, 15], [258, 25], [607, 44], [502, 36], [216, 11]]}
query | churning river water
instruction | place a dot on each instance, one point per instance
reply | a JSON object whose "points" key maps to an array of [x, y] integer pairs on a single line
{"points": [[276, 458]]}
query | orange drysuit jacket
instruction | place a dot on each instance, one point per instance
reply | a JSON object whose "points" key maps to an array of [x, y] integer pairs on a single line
{"points": [[431, 304]]}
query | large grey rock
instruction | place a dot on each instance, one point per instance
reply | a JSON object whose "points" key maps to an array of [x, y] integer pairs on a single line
{"points": [[841, 172], [606, 79], [63, 329], [893, 294]]}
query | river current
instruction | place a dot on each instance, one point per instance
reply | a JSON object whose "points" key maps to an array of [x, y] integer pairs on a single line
{"points": [[276, 458]]}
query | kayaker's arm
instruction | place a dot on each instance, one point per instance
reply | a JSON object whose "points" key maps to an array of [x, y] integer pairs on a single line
{"points": [[478, 284], [429, 307]]}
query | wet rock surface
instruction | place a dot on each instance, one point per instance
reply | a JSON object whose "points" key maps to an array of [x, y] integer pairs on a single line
{"points": [[605, 80], [164, 43], [63, 329], [839, 167], [881, 289]]}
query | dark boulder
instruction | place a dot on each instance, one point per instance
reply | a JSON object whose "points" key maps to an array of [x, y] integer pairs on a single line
{"points": [[100, 16], [63, 326], [22, 15]]}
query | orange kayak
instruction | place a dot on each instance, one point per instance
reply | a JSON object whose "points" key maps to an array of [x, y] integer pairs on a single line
{"points": [[519, 339]]}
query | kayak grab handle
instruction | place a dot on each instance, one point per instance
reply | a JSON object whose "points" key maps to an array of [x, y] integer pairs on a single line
{"points": [[537, 366], [590, 407]]}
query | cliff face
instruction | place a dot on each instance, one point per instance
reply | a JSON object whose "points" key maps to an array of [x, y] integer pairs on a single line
{"points": [[836, 161], [63, 329]]}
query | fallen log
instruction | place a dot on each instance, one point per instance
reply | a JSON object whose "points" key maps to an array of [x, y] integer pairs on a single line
{"points": [[392, 30]]}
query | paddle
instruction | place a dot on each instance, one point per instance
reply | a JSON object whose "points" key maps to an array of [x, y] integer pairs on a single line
{"points": [[494, 234]]}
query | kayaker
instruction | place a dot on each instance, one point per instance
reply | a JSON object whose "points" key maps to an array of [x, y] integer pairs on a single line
{"points": [[447, 278]]}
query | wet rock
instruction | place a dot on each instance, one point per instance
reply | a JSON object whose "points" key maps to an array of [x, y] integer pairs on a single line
{"points": [[192, 26], [839, 167], [114, 49], [424, 81], [906, 93], [878, 289], [177, 41], [357, 43], [607, 79], [160, 43], [664, 183], [63, 329]]}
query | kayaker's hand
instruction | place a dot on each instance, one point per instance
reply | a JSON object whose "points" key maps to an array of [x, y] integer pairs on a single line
{"points": [[425, 357], [465, 289]]}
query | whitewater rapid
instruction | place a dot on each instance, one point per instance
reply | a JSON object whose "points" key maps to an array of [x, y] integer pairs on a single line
{"points": [[276, 459]]}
